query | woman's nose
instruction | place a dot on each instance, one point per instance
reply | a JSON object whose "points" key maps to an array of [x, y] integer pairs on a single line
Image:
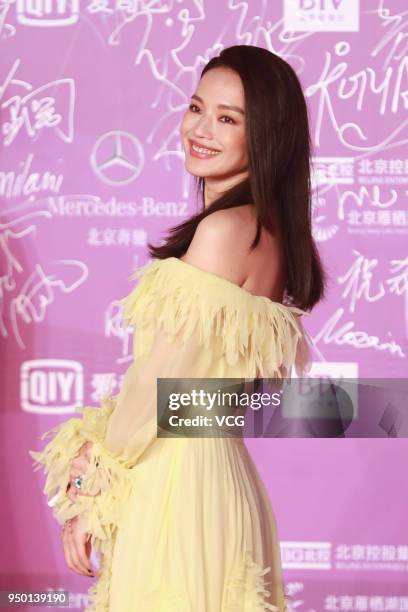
{"points": [[203, 127]]}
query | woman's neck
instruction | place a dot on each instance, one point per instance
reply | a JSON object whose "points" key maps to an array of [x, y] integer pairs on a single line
{"points": [[215, 187]]}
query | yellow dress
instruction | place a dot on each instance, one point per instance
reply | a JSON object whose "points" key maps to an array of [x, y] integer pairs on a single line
{"points": [[180, 524]]}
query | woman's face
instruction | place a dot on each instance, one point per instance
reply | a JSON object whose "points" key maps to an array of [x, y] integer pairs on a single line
{"points": [[213, 127]]}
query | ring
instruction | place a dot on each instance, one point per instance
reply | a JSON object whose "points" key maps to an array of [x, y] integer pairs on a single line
{"points": [[78, 481]]}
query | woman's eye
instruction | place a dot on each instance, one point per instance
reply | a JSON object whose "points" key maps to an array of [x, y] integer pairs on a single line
{"points": [[195, 109], [230, 120]]}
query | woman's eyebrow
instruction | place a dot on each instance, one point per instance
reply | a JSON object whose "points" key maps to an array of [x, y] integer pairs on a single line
{"points": [[229, 107]]}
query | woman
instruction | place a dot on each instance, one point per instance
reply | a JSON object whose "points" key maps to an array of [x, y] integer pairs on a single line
{"points": [[185, 524]]}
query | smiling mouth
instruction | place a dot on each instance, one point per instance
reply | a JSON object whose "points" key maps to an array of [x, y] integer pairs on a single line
{"points": [[203, 150]]}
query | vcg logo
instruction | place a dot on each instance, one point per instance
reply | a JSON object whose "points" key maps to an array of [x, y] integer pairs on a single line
{"points": [[321, 15], [51, 386]]}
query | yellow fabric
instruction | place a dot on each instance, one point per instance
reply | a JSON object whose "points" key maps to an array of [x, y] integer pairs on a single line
{"points": [[183, 524]]}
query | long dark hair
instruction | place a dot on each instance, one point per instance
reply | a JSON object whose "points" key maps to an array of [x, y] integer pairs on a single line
{"points": [[278, 183]]}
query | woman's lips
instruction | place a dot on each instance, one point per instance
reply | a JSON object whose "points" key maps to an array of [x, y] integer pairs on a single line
{"points": [[203, 152]]}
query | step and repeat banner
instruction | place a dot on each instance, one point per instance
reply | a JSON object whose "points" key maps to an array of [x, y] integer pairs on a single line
{"points": [[92, 93]]}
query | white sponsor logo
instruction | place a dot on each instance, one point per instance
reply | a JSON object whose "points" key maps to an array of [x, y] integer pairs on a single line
{"points": [[306, 555], [318, 398], [333, 171], [88, 205], [334, 369], [47, 13], [51, 386], [117, 158], [322, 15]]}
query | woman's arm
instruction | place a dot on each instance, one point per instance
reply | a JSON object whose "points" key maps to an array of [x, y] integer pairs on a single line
{"points": [[107, 442]]}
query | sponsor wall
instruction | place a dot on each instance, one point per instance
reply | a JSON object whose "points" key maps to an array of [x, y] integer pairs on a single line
{"points": [[91, 168]]}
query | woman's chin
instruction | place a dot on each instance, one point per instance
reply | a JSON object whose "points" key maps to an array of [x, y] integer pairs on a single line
{"points": [[194, 170]]}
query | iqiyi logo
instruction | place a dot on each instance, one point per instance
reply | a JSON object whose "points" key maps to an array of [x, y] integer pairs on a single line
{"points": [[47, 13], [321, 15], [51, 386]]}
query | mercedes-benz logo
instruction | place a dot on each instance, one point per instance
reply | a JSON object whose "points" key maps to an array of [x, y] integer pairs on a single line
{"points": [[117, 158]]}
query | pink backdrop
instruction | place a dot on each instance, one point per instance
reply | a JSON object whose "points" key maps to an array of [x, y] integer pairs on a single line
{"points": [[91, 167]]}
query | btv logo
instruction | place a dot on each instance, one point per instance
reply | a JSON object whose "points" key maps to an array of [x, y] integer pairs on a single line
{"points": [[51, 386], [322, 15]]}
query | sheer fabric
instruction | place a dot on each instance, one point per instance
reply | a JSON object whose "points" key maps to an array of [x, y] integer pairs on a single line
{"points": [[182, 524]]}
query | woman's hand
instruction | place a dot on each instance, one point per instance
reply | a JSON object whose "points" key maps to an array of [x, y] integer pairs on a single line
{"points": [[77, 547], [79, 466]]}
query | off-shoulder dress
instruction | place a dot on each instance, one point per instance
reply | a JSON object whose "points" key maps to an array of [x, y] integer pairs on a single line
{"points": [[181, 524]]}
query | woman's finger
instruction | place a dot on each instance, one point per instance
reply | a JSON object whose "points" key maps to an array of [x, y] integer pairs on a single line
{"points": [[72, 494], [79, 543], [67, 553], [79, 567], [83, 545], [74, 473], [79, 464], [85, 450], [70, 550], [72, 491], [79, 468]]}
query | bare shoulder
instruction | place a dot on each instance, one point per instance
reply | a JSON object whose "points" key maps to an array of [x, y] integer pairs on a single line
{"points": [[221, 242]]}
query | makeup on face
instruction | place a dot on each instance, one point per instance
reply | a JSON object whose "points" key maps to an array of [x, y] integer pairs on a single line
{"points": [[213, 127], [201, 152]]}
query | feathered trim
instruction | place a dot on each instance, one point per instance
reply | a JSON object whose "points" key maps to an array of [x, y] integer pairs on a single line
{"points": [[99, 591], [106, 479], [180, 297], [246, 590]]}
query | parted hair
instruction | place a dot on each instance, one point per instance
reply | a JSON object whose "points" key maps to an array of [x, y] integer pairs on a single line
{"points": [[279, 173]]}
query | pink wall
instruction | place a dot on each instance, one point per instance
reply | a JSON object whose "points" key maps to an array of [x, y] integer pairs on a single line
{"points": [[108, 82]]}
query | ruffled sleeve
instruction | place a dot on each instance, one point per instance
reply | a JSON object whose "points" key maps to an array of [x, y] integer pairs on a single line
{"points": [[106, 479], [187, 324]]}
